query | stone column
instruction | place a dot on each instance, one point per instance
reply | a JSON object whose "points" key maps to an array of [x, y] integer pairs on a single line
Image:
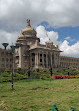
{"points": [[42, 59], [30, 59], [54, 60], [39, 60], [51, 59], [58, 60], [36, 60], [46, 59], [20, 58]]}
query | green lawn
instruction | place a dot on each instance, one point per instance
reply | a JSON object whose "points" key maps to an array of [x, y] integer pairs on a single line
{"points": [[40, 95]]}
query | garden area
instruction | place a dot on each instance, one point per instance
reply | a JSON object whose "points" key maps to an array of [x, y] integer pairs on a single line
{"points": [[40, 95], [6, 75], [38, 91]]}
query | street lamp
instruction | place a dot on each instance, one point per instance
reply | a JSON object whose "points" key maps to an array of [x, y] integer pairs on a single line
{"points": [[5, 45], [12, 52], [51, 71], [68, 71]]}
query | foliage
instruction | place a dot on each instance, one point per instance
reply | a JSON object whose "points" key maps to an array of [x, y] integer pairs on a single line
{"points": [[71, 70], [37, 70], [64, 76], [3, 107], [60, 77], [20, 71], [39, 75], [6, 73], [7, 76], [19, 76]]}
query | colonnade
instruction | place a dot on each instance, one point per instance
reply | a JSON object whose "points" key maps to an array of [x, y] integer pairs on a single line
{"points": [[43, 59]]}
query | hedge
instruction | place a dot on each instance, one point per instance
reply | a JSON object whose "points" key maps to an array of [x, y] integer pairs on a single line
{"points": [[64, 76]]}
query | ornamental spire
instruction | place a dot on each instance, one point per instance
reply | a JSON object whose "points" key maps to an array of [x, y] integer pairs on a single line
{"points": [[28, 23]]}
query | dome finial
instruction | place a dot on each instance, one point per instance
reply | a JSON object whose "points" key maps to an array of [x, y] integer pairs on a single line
{"points": [[28, 22], [50, 42]]}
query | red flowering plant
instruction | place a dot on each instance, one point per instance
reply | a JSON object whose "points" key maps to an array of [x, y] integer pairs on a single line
{"points": [[64, 76], [60, 77]]}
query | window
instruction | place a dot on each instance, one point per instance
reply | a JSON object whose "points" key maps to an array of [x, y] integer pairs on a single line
{"points": [[10, 66], [40, 54], [10, 59], [7, 53], [6, 59], [40, 60], [6, 65], [3, 59], [44, 55], [2, 54], [33, 54], [32, 59], [2, 65]]}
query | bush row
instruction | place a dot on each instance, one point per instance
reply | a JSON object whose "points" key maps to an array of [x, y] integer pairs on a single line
{"points": [[64, 76], [8, 77], [39, 75]]}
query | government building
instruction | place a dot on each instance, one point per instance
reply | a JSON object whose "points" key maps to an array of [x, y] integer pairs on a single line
{"points": [[30, 53]]}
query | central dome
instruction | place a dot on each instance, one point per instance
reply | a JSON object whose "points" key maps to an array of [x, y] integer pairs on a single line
{"points": [[28, 35], [28, 30]]}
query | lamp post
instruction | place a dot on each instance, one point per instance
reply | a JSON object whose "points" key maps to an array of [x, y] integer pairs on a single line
{"points": [[12, 52], [51, 71], [5, 46], [68, 71]]}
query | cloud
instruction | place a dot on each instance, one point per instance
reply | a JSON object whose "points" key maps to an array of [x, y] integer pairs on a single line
{"points": [[13, 13], [69, 38], [45, 35], [7, 37], [68, 50], [64, 46]]}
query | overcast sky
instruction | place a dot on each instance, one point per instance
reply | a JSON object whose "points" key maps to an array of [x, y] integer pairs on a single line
{"points": [[54, 19]]}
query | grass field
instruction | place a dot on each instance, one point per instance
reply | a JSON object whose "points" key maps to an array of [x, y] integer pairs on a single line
{"points": [[40, 95]]}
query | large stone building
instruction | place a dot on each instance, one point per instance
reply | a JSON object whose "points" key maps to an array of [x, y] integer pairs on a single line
{"points": [[30, 53]]}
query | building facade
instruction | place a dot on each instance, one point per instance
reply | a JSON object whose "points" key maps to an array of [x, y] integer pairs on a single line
{"points": [[66, 62], [30, 53], [5, 59]]}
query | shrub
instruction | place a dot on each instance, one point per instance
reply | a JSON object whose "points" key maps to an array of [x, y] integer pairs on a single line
{"points": [[19, 76], [39, 75], [16, 76], [64, 76], [37, 70], [6, 73], [60, 77]]}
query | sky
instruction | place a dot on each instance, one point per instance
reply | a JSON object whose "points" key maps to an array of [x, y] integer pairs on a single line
{"points": [[54, 19]]}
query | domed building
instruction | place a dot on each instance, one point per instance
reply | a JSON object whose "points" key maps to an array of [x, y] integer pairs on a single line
{"points": [[30, 53]]}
